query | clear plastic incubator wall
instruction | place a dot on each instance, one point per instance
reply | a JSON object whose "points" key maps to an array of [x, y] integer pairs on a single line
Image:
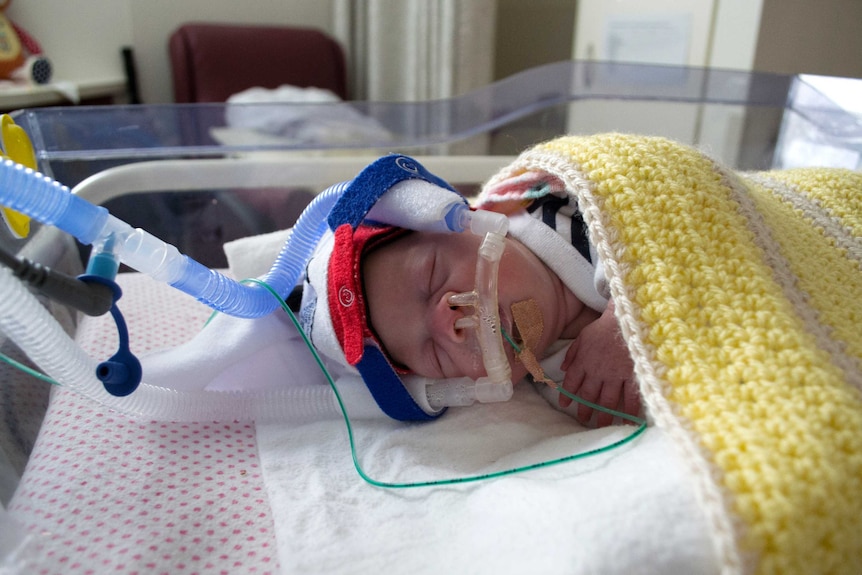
{"points": [[196, 176]]}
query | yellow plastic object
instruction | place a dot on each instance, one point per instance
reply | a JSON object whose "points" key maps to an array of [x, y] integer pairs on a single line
{"points": [[18, 148]]}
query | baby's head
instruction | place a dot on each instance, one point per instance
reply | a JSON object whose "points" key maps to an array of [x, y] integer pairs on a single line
{"points": [[376, 298], [390, 287]]}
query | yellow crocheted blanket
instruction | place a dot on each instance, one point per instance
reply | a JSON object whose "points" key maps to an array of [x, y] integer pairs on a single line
{"points": [[740, 298]]}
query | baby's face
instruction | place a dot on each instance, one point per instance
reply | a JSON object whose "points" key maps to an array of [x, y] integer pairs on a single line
{"points": [[408, 283]]}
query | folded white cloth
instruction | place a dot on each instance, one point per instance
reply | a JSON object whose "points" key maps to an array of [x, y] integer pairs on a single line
{"points": [[252, 257], [630, 510]]}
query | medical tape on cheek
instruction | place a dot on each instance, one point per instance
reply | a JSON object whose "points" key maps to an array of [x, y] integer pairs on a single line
{"points": [[528, 319]]}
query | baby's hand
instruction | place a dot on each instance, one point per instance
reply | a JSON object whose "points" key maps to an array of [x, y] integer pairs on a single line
{"points": [[600, 370]]}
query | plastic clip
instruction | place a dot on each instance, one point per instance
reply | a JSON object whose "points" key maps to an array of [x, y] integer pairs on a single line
{"points": [[121, 373]]}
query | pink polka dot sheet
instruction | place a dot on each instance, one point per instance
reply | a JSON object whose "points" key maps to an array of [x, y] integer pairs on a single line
{"points": [[106, 493]]}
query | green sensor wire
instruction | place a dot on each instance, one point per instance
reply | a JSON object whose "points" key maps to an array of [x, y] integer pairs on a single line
{"points": [[641, 425]]}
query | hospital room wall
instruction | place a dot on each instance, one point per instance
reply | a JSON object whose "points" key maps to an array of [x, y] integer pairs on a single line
{"points": [[780, 36], [812, 37], [83, 38], [697, 33]]}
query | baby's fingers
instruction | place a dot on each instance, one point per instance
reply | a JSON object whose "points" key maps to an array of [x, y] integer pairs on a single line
{"points": [[609, 398], [571, 353], [572, 383], [590, 391]]}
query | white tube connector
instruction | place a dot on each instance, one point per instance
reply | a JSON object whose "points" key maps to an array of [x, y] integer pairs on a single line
{"points": [[493, 391], [480, 222], [463, 392], [454, 392], [143, 251], [483, 222]]}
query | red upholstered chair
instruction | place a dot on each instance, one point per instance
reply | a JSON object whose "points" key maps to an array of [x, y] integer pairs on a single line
{"points": [[210, 62]]}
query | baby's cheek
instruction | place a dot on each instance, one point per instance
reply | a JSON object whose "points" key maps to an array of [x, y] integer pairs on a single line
{"points": [[519, 372]]}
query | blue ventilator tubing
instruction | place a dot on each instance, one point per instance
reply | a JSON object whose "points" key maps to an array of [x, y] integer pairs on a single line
{"points": [[49, 202], [28, 323], [231, 297], [52, 203]]}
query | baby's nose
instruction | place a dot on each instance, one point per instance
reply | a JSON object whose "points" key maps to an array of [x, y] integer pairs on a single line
{"points": [[450, 321]]}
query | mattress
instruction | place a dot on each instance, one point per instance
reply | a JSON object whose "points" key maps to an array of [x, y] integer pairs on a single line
{"points": [[104, 492]]}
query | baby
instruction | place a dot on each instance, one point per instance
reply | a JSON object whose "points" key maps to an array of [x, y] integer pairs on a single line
{"points": [[387, 295]]}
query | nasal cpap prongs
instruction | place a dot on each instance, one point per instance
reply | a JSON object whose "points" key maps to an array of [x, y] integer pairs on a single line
{"points": [[486, 319], [497, 384]]}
